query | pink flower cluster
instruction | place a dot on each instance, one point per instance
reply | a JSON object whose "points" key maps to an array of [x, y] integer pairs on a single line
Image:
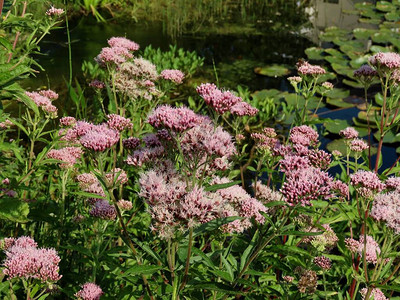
{"points": [[89, 291], [95, 137], [306, 184], [223, 101], [387, 60], [118, 122], [386, 207], [304, 68], [303, 135], [52, 11], [265, 140], [118, 52], [376, 294], [68, 156], [176, 76], [176, 119], [67, 121], [123, 43], [173, 206], [43, 100], [366, 183], [97, 84], [152, 150], [372, 249], [25, 260], [6, 124], [117, 176], [125, 204], [349, 133], [131, 142], [393, 183], [358, 145], [323, 262]]}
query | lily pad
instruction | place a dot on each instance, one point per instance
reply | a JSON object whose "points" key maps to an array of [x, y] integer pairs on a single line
{"points": [[326, 77], [363, 33], [392, 16], [359, 61], [335, 125], [369, 21], [339, 103], [354, 84], [384, 6], [342, 69], [272, 70], [338, 93], [334, 52], [336, 60], [315, 53], [376, 49], [381, 37]]}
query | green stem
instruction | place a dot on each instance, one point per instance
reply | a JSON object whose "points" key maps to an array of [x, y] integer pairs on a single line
{"points": [[185, 276]]}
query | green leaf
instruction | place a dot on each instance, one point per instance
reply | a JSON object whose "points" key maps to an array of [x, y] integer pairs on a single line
{"points": [[301, 233], [338, 93], [334, 126], [221, 186], [139, 270], [213, 225], [14, 210], [248, 250], [339, 103], [5, 43], [286, 249], [213, 287]]}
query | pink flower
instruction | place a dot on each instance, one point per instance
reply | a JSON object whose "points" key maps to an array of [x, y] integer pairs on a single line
{"points": [[117, 176], [89, 291], [319, 158], [303, 135], [25, 260], [87, 179], [220, 101], [114, 55], [349, 133], [99, 138], [304, 185], [389, 60], [118, 122], [243, 109], [305, 68], [372, 249], [67, 121], [68, 156], [173, 75], [366, 183], [295, 79], [44, 102], [54, 11], [6, 124], [386, 207], [327, 85], [5, 181], [352, 245], [341, 188], [323, 262], [123, 42], [49, 94], [293, 163], [358, 145], [103, 210], [125, 204], [176, 119], [376, 294], [393, 183], [97, 84]]}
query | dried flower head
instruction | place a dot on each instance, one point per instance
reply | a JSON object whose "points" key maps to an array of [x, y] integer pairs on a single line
{"points": [[307, 282], [323, 262]]}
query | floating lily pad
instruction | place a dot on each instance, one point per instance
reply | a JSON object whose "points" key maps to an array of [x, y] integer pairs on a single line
{"points": [[384, 6], [342, 69], [335, 125], [272, 71], [334, 52], [362, 115], [339, 103], [338, 93], [359, 61], [326, 77], [315, 53], [336, 60], [363, 33], [381, 37], [369, 21], [354, 84], [392, 16], [264, 94], [332, 33]]}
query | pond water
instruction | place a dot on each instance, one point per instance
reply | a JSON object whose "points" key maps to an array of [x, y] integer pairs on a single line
{"points": [[235, 55]]}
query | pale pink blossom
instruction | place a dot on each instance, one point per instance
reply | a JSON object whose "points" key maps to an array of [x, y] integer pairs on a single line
{"points": [[113, 55], [52, 95], [386, 208], [176, 76], [125, 204], [99, 138], [358, 145], [68, 156], [366, 183], [67, 121], [220, 101], [393, 183], [376, 294], [305, 68], [327, 85], [25, 260], [388, 60], [52, 11], [123, 42], [5, 181], [295, 79], [6, 124], [117, 176], [97, 84], [323, 262], [349, 133], [118, 122], [303, 135], [243, 109], [176, 119], [89, 291], [319, 158]]}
